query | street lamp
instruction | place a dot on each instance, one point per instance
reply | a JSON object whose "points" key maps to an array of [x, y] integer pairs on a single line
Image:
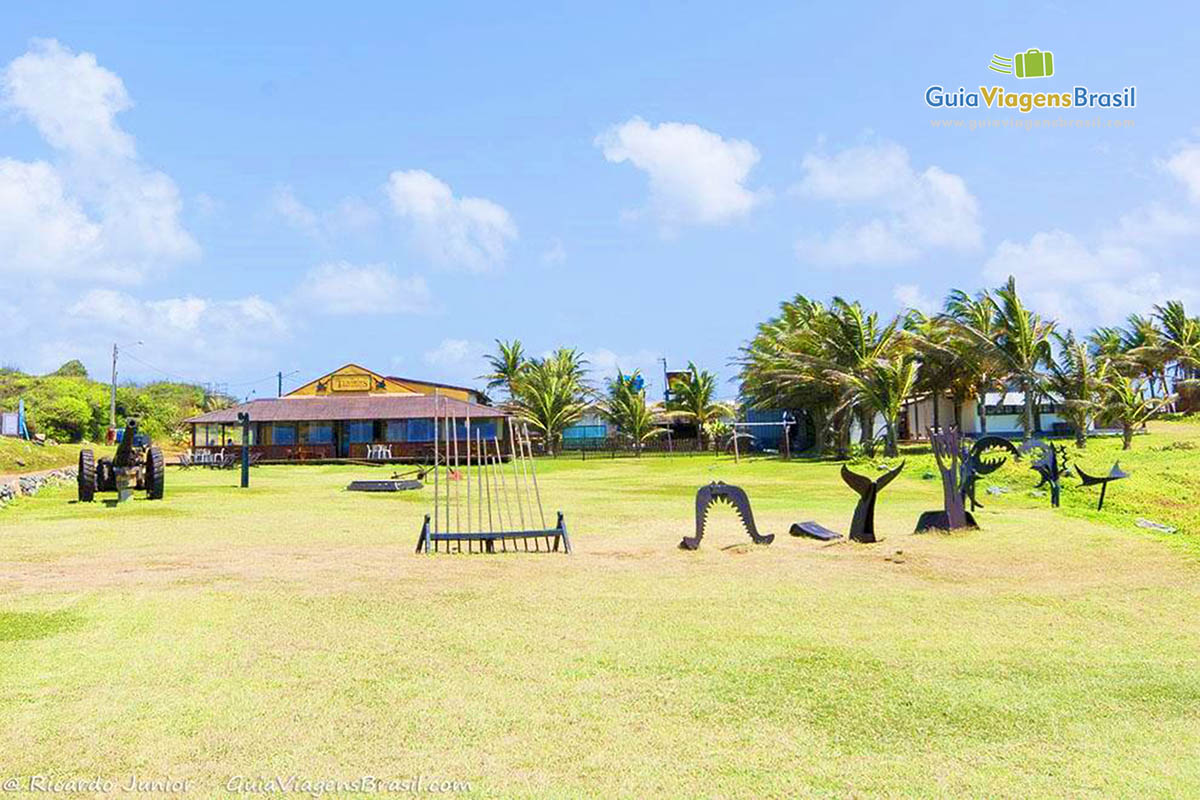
{"points": [[112, 405]]}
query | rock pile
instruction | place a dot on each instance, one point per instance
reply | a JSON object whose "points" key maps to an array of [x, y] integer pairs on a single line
{"points": [[24, 485]]}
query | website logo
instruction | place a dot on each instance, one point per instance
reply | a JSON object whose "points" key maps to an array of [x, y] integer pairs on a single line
{"points": [[1033, 63]]}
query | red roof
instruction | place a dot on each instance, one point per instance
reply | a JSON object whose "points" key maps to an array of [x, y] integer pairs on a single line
{"points": [[330, 409]]}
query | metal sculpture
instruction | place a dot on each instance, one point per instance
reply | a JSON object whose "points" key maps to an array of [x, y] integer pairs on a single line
{"points": [[1050, 464], [814, 530], [454, 522], [706, 496], [1114, 474], [975, 462], [862, 526], [135, 465], [949, 451]]}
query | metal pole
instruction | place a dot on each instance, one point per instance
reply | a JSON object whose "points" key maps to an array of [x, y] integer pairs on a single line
{"points": [[468, 474], [524, 444], [736, 454], [533, 471], [437, 499], [503, 482], [112, 402], [446, 438], [244, 418], [457, 492], [512, 446]]}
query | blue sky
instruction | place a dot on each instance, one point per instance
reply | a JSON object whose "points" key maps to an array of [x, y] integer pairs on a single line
{"points": [[273, 187]]}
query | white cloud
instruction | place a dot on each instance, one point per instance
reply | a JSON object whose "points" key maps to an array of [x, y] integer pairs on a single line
{"points": [[343, 288], [452, 352], [98, 212], [1079, 285], [1184, 166], [909, 295], [196, 336], [350, 215], [696, 176], [465, 233], [911, 212]]}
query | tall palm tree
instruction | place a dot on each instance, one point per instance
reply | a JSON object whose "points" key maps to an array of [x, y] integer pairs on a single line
{"points": [[933, 342], [1181, 343], [695, 397], [551, 394], [1078, 378], [1020, 342], [1126, 403], [973, 318], [626, 407], [883, 388], [507, 364], [780, 367]]}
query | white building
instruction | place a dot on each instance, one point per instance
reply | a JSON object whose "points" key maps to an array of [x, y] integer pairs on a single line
{"points": [[1004, 413]]}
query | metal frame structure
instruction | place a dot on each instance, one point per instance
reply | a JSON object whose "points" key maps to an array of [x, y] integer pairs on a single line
{"points": [[472, 502]]}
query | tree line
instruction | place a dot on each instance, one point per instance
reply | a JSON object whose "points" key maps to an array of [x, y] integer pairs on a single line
{"points": [[847, 365]]}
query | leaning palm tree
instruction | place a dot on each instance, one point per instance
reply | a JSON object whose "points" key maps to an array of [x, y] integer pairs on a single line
{"points": [[1078, 378], [1126, 403], [779, 367], [551, 395], [626, 407], [883, 388], [694, 396], [1181, 343], [507, 364], [973, 319], [1020, 342]]}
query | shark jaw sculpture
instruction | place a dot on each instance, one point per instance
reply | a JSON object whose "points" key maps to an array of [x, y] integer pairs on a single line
{"points": [[707, 496], [862, 526]]}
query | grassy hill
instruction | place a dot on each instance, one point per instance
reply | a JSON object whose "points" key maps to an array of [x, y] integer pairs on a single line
{"points": [[68, 406]]}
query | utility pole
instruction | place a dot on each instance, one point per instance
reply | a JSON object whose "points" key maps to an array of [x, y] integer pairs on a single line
{"points": [[280, 392], [666, 382], [112, 403]]}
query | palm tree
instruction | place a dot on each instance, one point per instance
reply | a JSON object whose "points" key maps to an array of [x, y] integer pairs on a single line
{"points": [[1126, 403], [627, 409], [1142, 342], [551, 394], [882, 388], [779, 367], [506, 364], [695, 397], [933, 342], [1020, 342], [973, 319], [1181, 343], [1078, 378]]}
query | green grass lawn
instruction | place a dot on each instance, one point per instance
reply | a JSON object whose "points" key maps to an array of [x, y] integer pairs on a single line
{"points": [[289, 629]]}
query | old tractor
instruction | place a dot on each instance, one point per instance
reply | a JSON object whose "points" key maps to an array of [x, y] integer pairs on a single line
{"points": [[136, 466]]}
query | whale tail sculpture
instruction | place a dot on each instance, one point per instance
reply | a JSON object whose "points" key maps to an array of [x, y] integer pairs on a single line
{"points": [[1114, 474], [707, 496], [862, 527]]}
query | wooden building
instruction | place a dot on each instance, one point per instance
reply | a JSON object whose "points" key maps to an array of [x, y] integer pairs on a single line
{"points": [[351, 413]]}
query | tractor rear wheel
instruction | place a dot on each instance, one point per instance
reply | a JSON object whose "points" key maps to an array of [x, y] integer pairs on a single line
{"points": [[155, 473], [86, 476]]}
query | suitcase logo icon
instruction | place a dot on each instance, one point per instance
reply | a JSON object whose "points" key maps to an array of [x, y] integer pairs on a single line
{"points": [[1033, 63]]}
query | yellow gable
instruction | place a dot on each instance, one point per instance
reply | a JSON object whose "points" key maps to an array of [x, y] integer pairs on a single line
{"points": [[351, 380]]}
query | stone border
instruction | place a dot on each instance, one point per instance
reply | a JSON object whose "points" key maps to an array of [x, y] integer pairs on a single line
{"points": [[32, 483]]}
